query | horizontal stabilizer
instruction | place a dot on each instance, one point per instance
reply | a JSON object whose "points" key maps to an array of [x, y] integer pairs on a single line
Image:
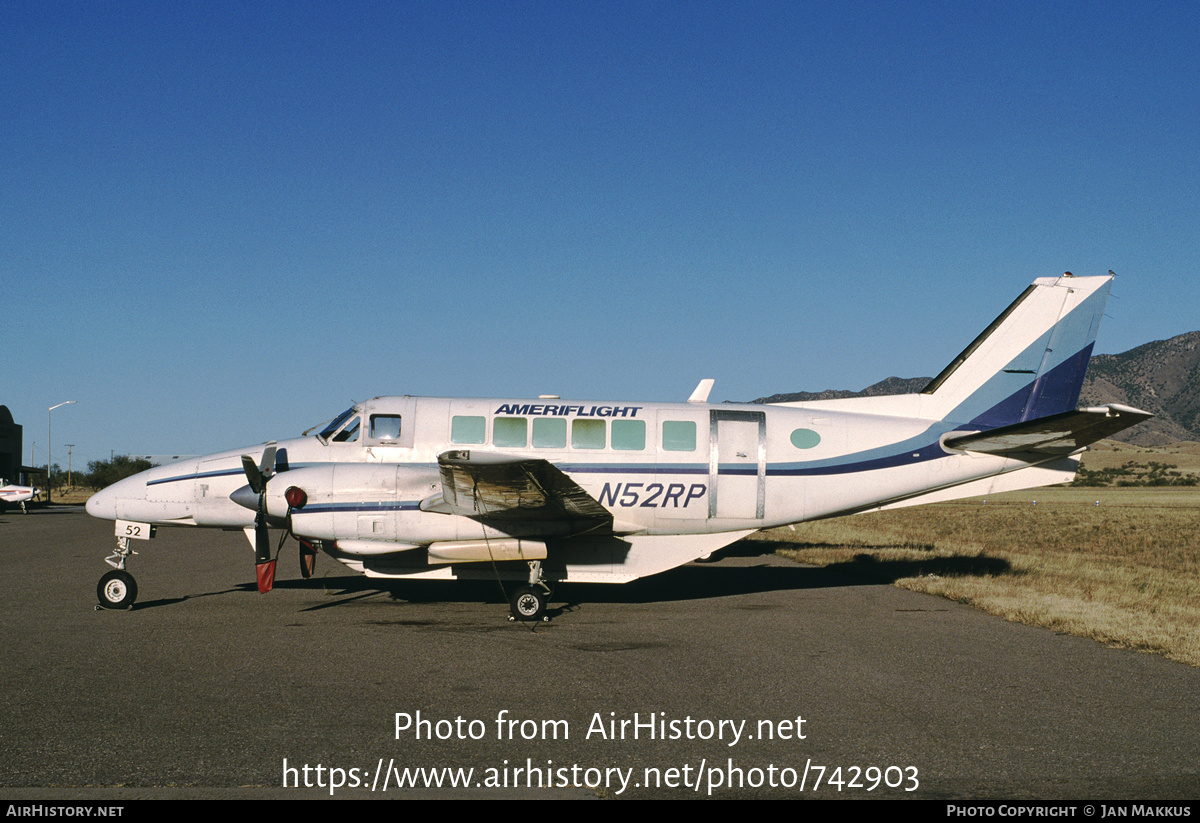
{"points": [[1058, 434], [501, 487]]}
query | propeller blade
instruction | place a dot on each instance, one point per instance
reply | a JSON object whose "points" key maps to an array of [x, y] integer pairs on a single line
{"points": [[267, 466], [258, 475], [253, 475], [308, 558], [262, 543], [265, 572], [264, 566]]}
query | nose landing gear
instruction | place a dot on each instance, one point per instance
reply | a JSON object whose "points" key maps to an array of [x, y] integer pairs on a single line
{"points": [[117, 589]]}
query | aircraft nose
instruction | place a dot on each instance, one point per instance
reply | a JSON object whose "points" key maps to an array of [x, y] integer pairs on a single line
{"points": [[103, 504], [109, 503]]}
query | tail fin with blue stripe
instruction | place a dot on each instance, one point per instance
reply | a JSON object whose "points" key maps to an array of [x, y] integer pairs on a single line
{"points": [[1030, 362]]}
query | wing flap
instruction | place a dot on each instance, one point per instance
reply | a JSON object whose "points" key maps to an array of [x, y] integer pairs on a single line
{"points": [[502, 487], [1056, 435]]}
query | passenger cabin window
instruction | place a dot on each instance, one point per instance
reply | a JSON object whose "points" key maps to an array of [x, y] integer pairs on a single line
{"points": [[385, 427], [468, 429], [549, 433], [679, 435], [629, 434], [587, 434], [805, 439], [510, 431]]}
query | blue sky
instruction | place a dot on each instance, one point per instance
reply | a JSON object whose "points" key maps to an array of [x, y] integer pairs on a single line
{"points": [[223, 222]]}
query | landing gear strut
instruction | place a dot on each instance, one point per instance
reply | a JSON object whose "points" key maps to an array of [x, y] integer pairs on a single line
{"points": [[528, 603], [117, 589]]}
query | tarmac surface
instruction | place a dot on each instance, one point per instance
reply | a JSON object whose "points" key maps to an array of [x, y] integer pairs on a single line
{"points": [[207, 688]]}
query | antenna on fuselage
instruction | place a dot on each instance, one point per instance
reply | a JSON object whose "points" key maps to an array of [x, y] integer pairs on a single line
{"points": [[700, 395]]}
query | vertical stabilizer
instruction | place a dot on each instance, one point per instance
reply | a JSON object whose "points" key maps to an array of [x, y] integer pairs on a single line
{"points": [[1030, 362]]}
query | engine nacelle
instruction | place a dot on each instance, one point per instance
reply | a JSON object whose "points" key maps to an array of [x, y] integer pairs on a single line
{"points": [[479, 551]]}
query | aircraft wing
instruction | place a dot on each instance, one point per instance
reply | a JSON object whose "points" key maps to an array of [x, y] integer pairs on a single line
{"points": [[503, 487], [1056, 435]]}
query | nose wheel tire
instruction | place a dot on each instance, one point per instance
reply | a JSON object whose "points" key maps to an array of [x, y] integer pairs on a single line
{"points": [[528, 604], [117, 590]]}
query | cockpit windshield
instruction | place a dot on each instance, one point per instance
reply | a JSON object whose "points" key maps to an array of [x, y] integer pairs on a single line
{"points": [[340, 430], [349, 432]]}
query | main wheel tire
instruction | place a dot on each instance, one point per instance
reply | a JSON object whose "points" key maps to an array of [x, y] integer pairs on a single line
{"points": [[117, 590], [528, 604]]}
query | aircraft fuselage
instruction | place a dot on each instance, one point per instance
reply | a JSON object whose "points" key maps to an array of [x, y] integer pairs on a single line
{"points": [[611, 491]]}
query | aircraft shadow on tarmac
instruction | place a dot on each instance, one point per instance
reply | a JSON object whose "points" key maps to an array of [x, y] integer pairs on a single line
{"points": [[41, 509], [868, 568], [697, 581]]}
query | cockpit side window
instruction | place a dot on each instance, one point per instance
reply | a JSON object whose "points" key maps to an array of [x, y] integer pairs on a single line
{"points": [[385, 427]]}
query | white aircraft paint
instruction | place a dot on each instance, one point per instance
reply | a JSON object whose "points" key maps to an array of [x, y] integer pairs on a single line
{"points": [[604, 491]]}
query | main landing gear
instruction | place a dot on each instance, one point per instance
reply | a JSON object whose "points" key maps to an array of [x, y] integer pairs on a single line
{"points": [[117, 589], [528, 603]]}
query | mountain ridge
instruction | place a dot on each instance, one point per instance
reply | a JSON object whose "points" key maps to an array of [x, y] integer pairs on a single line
{"points": [[1161, 377]]}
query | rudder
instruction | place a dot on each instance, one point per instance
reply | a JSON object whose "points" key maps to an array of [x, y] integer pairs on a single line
{"points": [[1030, 362]]}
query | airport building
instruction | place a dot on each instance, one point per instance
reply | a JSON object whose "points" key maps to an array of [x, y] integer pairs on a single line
{"points": [[10, 447]]}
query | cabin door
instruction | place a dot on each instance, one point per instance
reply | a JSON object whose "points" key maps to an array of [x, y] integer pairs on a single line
{"points": [[737, 464]]}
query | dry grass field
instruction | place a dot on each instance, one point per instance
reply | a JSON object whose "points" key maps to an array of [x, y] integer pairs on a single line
{"points": [[1119, 565], [1184, 455], [74, 496]]}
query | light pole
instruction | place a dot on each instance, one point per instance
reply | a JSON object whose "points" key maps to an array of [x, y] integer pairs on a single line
{"points": [[48, 442]]}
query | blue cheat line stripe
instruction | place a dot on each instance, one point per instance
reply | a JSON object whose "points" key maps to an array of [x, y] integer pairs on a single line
{"points": [[194, 476], [222, 473]]}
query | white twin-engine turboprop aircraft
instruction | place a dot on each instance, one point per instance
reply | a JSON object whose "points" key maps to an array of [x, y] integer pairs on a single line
{"points": [[549, 490]]}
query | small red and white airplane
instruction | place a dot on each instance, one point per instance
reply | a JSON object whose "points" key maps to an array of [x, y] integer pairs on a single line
{"points": [[16, 494]]}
